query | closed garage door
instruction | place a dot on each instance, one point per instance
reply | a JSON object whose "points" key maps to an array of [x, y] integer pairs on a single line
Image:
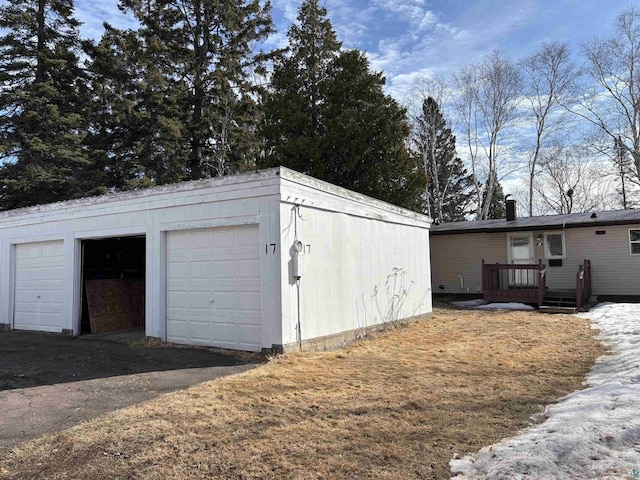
{"points": [[213, 287], [39, 291]]}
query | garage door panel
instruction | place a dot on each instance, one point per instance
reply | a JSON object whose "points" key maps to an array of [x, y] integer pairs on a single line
{"points": [[248, 269], [200, 331], [200, 301], [251, 302], [246, 238], [236, 318], [177, 300], [39, 286], [226, 332], [177, 270], [199, 240], [201, 269], [225, 269], [178, 329], [224, 266], [225, 301], [46, 273], [250, 333]]}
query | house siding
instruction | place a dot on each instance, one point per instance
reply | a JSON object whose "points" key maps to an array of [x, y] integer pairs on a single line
{"points": [[613, 270], [453, 256]]}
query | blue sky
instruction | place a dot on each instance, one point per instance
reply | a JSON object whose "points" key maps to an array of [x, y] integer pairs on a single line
{"points": [[408, 39]]}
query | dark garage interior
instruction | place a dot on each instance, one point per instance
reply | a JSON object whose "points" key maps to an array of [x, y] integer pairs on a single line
{"points": [[113, 284]]}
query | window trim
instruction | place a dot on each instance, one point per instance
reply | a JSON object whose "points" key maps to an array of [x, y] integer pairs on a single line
{"points": [[547, 253], [631, 242]]}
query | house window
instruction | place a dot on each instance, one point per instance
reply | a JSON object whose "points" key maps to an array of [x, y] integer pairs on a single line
{"points": [[634, 242], [554, 246]]}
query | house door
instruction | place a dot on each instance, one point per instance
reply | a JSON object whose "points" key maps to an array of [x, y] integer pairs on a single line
{"points": [[520, 252]]}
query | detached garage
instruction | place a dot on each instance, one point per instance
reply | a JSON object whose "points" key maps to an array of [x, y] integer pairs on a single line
{"points": [[267, 260]]}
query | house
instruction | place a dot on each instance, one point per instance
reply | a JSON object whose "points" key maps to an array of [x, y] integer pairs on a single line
{"points": [[267, 260], [555, 252]]}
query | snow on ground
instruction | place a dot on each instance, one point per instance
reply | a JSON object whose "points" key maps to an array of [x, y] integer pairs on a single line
{"points": [[480, 304], [505, 306], [470, 303], [592, 433]]}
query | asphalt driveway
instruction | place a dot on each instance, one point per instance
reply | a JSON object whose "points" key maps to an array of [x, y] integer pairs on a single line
{"points": [[50, 382]]}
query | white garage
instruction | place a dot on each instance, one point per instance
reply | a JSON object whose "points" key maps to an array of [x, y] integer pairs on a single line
{"points": [[267, 260]]}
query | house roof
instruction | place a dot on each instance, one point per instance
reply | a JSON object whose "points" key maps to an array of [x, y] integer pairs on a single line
{"points": [[546, 222]]}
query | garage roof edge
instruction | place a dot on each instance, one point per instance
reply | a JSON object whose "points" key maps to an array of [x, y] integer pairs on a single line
{"points": [[332, 189], [187, 186]]}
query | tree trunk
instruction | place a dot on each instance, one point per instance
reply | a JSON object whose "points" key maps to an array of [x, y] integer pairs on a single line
{"points": [[435, 180], [41, 75], [200, 51]]}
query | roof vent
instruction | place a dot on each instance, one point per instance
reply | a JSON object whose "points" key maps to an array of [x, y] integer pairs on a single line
{"points": [[594, 215], [511, 209]]}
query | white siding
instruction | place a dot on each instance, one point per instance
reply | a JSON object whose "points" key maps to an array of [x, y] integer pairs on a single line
{"points": [[349, 262]]}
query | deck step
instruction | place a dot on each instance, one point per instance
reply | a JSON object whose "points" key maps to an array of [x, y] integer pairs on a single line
{"points": [[560, 302], [560, 294], [556, 309]]}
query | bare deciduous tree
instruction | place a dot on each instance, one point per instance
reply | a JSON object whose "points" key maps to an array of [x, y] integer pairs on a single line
{"points": [[425, 87], [488, 94], [467, 83], [572, 181], [622, 166], [613, 104], [548, 75]]}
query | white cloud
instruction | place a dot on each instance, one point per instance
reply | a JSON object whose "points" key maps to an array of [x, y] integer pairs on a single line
{"points": [[429, 20], [93, 14]]}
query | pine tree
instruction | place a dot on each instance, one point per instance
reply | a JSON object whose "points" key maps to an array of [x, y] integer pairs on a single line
{"points": [[137, 127], [448, 192], [181, 88], [326, 115], [294, 125], [42, 106], [497, 207]]}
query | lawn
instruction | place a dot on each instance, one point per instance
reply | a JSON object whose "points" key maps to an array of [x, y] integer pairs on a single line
{"points": [[398, 405]]}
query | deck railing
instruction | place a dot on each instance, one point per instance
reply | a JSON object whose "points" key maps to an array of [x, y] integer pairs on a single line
{"points": [[583, 284], [504, 282]]}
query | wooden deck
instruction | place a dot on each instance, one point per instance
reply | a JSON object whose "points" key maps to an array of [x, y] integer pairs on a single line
{"points": [[513, 283], [527, 284]]}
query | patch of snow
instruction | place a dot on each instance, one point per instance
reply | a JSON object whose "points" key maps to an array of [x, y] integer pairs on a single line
{"points": [[593, 433], [506, 306], [469, 303]]}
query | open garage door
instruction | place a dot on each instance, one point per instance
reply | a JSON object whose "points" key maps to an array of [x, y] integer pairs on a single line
{"points": [[113, 284], [39, 286], [213, 287]]}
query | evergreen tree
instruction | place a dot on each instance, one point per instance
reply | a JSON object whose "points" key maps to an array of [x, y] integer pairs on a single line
{"points": [[326, 115], [42, 106], [137, 127], [497, 207], [294, 125], [180, 89], [448, 192]]}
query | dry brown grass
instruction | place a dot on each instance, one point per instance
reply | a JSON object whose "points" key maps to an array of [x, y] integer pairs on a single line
{"points": [[396, 406]]}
